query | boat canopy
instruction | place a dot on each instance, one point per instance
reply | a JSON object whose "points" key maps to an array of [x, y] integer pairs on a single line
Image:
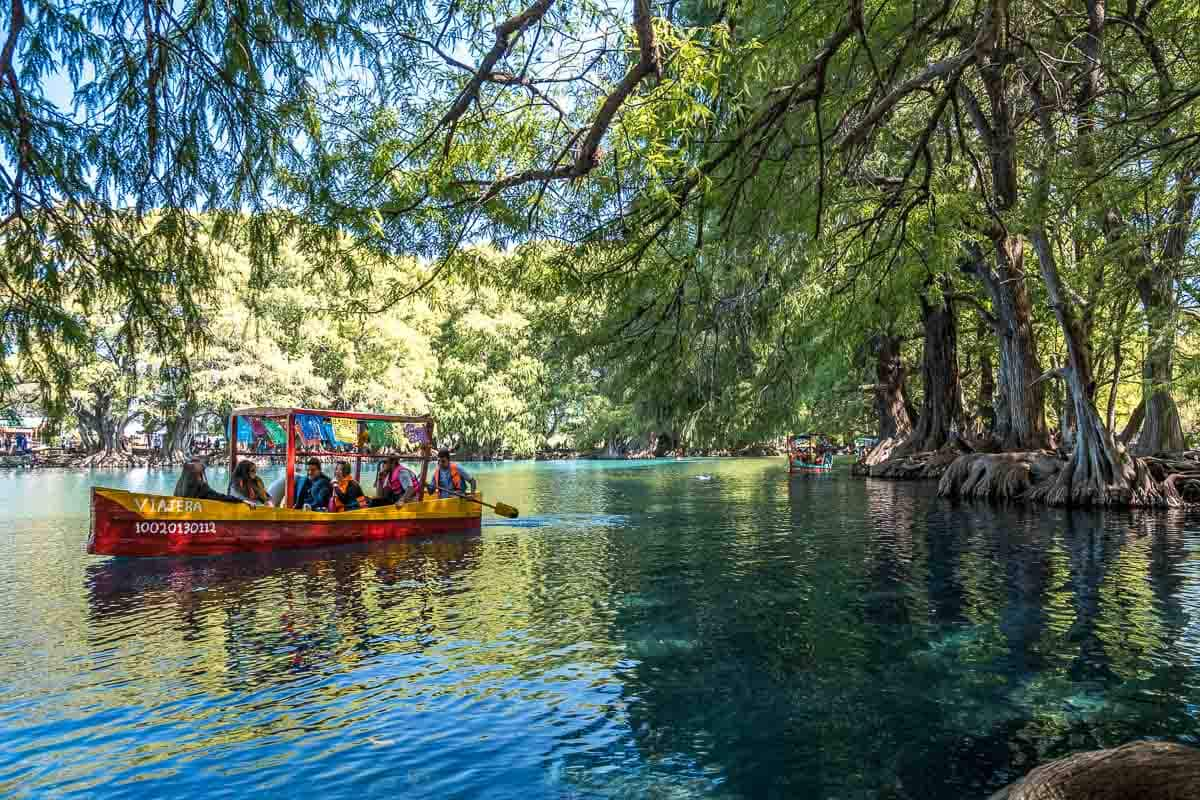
{"points": [[329, 434]]}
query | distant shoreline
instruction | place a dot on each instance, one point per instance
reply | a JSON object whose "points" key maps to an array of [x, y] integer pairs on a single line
{"points": [[75, 461]]}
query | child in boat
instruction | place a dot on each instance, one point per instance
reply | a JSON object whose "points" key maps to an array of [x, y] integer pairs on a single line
{"points": [[347, 494], [246, 485], [192, 483]]}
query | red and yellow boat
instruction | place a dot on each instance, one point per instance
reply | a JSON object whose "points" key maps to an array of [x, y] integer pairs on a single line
{"points": [[137, 524]]}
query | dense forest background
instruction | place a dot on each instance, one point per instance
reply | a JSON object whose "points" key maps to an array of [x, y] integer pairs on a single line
{"points": [[967, 227], [490, 364]]}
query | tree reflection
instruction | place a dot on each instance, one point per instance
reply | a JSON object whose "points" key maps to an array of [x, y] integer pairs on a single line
{"points": [[258, 618]]}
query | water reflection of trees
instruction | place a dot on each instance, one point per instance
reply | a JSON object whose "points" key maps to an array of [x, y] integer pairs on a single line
{"points": [[266, 618], [806, 637], [891, 643]]}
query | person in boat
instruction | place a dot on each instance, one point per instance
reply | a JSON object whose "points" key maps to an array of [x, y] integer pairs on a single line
{"points": [[347, 494], [396, 484], [315, 489], [277, 490], [246, 485], [192, 483], [449, 477]]}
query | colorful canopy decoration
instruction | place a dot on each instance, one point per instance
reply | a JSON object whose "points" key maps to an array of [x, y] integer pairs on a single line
{"points": [[345, 430], [310, 429], [327, 434], [275, 431], [417, 434], [406, 437], [379, 433]]}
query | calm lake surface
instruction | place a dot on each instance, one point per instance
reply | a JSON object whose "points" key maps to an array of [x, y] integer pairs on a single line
{"points": [[647, 630]]}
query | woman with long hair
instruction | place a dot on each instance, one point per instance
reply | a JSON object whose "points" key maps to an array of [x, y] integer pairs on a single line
{"points": [[192, 483], [246, 485]]}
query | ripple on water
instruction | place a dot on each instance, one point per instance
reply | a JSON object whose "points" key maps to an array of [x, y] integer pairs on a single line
{"points": [[692, 629]]}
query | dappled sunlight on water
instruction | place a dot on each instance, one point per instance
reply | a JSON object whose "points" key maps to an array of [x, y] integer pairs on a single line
{"points": [[677, 629]]}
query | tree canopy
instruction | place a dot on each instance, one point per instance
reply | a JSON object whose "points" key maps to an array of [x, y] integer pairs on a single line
{"points": [[726, 218]]}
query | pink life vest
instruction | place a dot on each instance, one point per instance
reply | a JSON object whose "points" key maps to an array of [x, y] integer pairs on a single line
{"points": [[395, 481]]}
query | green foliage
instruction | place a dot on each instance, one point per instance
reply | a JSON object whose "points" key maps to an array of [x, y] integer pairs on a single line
{"points": [[291, 202]]}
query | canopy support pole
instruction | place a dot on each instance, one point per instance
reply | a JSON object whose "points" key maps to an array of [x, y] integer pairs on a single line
{"points": [[233, 443], [290, 490], [358, 452], [425, 450]]}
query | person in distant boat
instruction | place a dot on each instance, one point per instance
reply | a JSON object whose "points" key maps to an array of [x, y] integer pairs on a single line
{"points": [[449, 477], [396, 484], [192, 483], [347, 494], [246, 485], [315, 489]]}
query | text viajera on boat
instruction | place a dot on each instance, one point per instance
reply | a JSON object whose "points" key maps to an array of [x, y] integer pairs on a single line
{"points": [[138, 524]]}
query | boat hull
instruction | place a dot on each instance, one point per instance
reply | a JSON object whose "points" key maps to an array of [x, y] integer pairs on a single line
{"points": [[133, 524], [799, 465]]}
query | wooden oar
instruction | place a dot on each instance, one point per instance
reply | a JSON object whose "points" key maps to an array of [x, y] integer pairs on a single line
{"points": [[503, 509]]}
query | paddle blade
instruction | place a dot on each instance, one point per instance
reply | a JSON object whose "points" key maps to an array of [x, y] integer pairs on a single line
{"points": [[506, 510]]}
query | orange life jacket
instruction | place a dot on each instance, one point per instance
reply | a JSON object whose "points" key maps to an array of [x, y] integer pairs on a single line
{"points": [[343, 484], [455, 478]]}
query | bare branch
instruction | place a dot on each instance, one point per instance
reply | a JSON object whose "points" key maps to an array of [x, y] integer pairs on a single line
{"points": [[947, 68], [589, 150], [505, 32]]}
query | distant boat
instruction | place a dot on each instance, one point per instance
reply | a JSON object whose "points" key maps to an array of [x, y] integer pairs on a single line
{"points": [[137, 524], [808, 452]]}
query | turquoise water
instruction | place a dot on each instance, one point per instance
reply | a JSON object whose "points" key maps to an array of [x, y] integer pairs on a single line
{"points": [[665, 630]]}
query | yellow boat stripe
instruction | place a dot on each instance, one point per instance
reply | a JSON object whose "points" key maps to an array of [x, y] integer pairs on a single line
{"points": [[157, 506]]}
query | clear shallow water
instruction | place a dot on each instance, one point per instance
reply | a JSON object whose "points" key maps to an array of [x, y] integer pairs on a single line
{"points": [[667, 630]]}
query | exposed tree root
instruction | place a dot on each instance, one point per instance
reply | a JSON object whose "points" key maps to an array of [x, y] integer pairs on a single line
{"points": [[111, 458], [883, 450], [1142, 770], [999, 476], [916, 466], [1044, 477]]}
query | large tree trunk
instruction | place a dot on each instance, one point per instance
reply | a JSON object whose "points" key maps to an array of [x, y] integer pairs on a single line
{"points": [[1020, 412], [891, 405], [1156, 284], [941, 406], [102, 429], [177, 437], [1162, 431], [1097, 472], [987, 386], [891, 402]]}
